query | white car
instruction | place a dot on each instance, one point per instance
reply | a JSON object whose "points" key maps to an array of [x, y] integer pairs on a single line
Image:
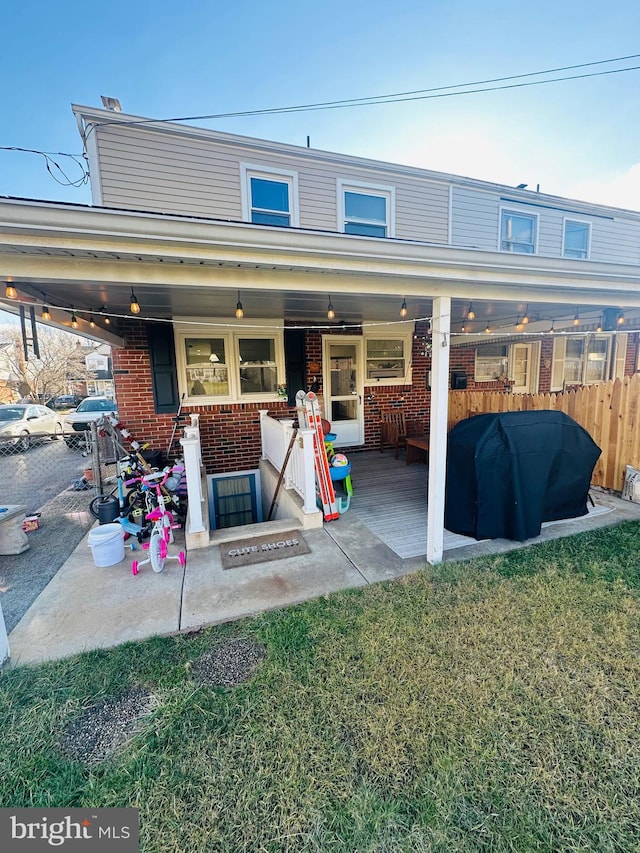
{"points": [[27, 421], [76, 423]]}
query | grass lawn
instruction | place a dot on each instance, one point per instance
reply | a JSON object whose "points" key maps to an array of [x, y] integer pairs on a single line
{"points": [[487, 705]]}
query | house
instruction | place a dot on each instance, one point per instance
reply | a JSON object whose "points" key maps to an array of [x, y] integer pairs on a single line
{"points": [[227, 272], [99, 371]]}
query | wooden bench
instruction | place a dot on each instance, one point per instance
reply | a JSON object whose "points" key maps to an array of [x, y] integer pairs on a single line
{"points": [[417, 449]]}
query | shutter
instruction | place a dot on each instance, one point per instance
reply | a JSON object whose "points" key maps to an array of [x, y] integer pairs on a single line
{"points": [[621, 356], [557, 368], [163, 367], [295, 364]]}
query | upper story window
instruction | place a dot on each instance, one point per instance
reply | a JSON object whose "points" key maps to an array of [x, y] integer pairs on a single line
{"points": [[269, 197], [366, 209], [518, 232], [575, 239], [231, 365]]}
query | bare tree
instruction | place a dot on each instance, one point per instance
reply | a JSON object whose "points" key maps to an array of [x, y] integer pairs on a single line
{"points": [[59, 368]]}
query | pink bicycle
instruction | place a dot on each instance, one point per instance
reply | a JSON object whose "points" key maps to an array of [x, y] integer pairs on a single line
{"points": [[161, 535]]}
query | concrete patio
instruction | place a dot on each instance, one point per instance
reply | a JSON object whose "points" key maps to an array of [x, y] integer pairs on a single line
{"points": [[85, 607]]}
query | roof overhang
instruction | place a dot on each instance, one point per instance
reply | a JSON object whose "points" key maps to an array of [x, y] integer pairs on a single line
{"points": [[89, 257]]}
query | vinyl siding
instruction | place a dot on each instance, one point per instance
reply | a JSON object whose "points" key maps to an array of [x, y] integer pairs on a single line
{"points": [[476, 224], [161, 172], [474, 219]]}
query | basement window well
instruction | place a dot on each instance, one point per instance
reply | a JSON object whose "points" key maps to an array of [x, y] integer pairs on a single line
{"points": [[234, 499]]}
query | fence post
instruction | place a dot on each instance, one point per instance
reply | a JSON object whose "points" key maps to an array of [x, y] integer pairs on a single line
{"points": [[95, 459]]}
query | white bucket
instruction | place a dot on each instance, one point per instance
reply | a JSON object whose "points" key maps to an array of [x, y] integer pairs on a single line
{"points": [[107, 544]]}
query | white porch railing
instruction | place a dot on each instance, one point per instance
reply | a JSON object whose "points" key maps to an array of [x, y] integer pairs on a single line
{"points": [[300, 472]]}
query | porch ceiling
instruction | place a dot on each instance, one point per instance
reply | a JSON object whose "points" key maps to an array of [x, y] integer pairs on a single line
{"points": [[88, 258]]}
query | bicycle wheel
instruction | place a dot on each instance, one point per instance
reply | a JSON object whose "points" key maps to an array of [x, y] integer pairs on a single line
{"points": [[155, 550]]}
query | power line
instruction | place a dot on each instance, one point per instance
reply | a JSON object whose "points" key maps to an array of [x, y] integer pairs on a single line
{"points": [[51, 164], [399, 97]]}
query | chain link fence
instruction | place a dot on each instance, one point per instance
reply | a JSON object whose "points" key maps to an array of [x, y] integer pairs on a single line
{"points": [[53, 482]]}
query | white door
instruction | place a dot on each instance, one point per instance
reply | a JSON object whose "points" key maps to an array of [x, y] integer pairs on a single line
{"points": [[343, 388], [522, 359]]}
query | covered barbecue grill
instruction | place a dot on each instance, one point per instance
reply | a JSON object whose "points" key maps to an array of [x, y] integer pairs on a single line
{"points": [[509, 472]]}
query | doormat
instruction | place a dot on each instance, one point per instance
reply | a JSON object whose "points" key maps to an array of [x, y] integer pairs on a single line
{"points": [[262, 549]]}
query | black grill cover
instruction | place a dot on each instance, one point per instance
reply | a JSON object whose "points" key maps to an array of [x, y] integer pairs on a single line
{"points": [[509, 472]]}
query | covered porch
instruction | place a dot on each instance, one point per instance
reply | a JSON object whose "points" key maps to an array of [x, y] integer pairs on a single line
{"points": [[87, 265], [85, 608]]}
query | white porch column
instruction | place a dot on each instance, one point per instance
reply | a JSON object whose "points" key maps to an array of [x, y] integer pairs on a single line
{"points": [[191, 447], [441, 340]]}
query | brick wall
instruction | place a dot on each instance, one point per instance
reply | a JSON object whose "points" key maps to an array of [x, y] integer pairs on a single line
{"points": [[231, 432]]}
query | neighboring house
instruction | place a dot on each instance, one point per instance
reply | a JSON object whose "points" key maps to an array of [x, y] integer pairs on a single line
{"points": [[232, 268], [99, 372]]}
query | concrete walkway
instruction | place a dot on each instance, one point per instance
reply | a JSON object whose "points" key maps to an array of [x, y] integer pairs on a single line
{"points": [[85, 607]]}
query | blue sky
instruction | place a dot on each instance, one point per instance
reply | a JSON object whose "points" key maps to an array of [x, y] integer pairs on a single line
{"points": [[576, 138]]}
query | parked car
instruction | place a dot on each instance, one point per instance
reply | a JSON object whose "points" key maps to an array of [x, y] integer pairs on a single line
{"points": [[67, 401], [21, 423], [90, 409]]}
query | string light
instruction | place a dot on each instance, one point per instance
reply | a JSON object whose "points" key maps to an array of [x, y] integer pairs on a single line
{"points": [[471, 314], [525, 316], [330, 311], [11, 292], [403, 309], [46, 314], [92, 322], [576, 320], [135, 305], [74, 319], [620, 319], [599, 326], [239, 308], [107, 321]]}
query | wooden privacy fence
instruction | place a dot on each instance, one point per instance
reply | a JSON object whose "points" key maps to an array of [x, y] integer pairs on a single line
{"points": [[608, 411]]}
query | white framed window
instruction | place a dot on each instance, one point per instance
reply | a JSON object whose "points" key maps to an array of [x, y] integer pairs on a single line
{"points": [[576, 239], [224, 364], [269, 196], [580, 360], [491, 362], [366, 209], [387, 354], [518, 232]]}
